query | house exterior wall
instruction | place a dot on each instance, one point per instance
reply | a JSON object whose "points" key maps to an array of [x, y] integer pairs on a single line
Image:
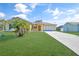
{"points": [[61, 29], [71, 27], [1, 26], [43, 27], [35, 27], [78, 27], [30, 28], [7, 27]]}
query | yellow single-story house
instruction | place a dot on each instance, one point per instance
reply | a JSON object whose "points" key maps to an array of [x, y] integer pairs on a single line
{"points": [[42, 26]]}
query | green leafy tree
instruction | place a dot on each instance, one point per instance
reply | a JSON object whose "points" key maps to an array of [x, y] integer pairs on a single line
{"points": [[20, 25]]}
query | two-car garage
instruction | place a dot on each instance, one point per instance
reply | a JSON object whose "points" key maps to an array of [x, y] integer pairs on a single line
{"points": [[49, 27]]}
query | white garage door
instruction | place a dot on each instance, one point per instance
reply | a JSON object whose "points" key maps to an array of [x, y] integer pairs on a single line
{"points": [[48, 28]]}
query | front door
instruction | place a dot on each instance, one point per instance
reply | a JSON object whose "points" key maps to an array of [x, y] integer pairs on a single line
{"points": [[39, 27]]}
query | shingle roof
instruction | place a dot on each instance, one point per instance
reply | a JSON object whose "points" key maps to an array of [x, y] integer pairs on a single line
{"points": [[72, 22], [45, 23]]}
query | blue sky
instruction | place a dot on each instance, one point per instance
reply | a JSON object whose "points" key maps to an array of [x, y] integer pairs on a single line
{"points": [[58, 13]]}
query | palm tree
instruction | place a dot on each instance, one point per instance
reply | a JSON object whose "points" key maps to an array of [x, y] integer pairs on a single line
{"points": [[20, 25]]}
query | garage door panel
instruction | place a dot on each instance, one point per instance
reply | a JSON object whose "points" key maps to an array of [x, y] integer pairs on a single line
{"points": [[48, 28]]}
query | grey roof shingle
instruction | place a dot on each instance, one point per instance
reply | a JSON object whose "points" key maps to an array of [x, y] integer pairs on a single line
{"points": [[72, 23], [45, 23]]}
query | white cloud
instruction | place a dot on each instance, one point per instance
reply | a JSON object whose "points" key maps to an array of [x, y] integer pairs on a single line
{"points": [[2, 15], [58, 21], [22, 8], [23, 16], [71, 12], [74, 15], [75, 18], [34, 5], [56, 17], [55, 12], [60, 17], [48, 11]]}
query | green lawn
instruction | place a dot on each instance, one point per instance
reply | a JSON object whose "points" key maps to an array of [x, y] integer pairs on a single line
{"points": [[75, 33], [33, 44]]}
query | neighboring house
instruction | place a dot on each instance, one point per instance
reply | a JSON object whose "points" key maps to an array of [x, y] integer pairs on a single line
{"points": [[71, 27], [7, 27], [4, 27], [42, 26], [1, 26], [59, 28]]}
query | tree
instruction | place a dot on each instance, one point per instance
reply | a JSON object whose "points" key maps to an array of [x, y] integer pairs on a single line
{"points": [[20, 25]]}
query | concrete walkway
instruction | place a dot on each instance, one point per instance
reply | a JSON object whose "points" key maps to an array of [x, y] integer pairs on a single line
{"points": [[69, 40]]}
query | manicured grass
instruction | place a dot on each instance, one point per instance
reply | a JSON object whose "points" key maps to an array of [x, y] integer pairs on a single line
{"points": [[32, 44], [75, 33]]}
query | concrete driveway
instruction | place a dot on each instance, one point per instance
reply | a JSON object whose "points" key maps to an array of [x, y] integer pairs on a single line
{"points": [[69, 40]]}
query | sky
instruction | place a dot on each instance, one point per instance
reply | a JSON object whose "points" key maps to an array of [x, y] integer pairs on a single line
{"points": [[58, 13]]}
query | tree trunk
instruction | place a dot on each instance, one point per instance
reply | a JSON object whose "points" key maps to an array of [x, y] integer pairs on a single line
{"points": [[20, 31]]}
